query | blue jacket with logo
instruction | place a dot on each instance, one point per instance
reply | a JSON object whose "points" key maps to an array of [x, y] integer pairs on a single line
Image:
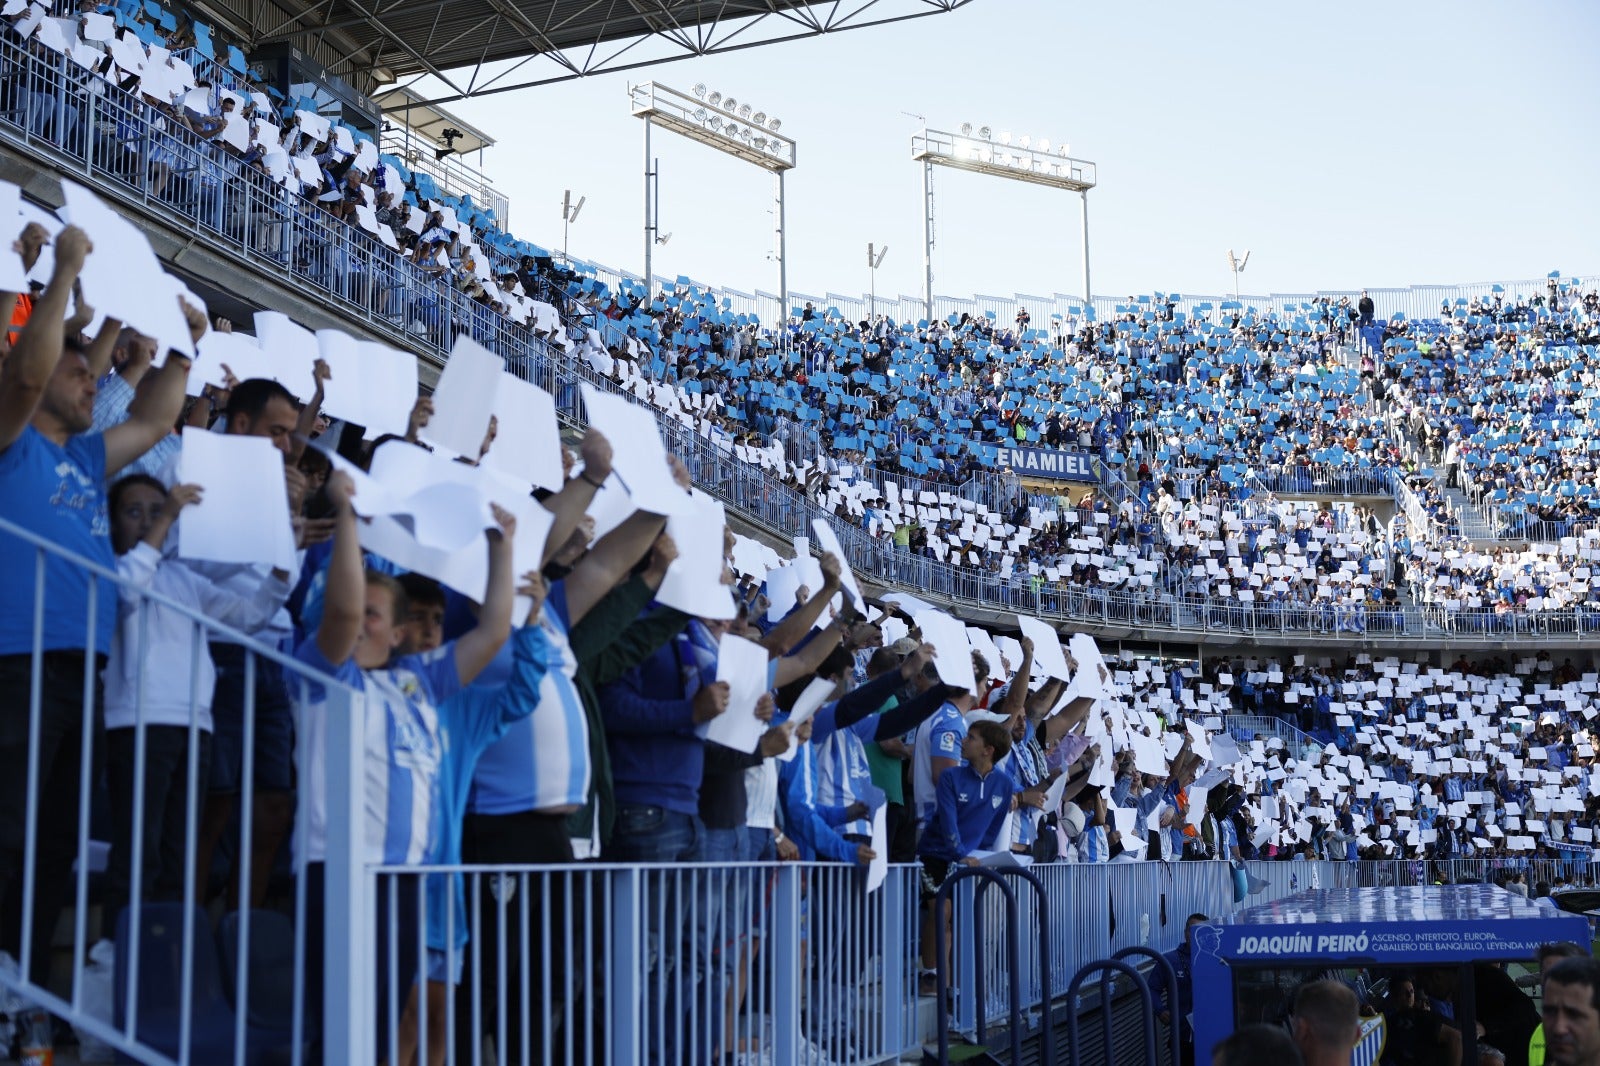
{"points": [[968, 811]]}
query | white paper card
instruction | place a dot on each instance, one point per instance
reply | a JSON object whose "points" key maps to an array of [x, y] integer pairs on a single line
{"points": [[243, 514]]}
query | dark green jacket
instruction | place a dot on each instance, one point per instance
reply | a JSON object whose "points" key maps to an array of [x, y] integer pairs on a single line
{"points": [[612, 639]]}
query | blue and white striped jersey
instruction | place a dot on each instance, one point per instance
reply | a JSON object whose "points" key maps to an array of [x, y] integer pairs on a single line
{"points": [[844, 775], [401, 728], [941, 735], [543, 760]]}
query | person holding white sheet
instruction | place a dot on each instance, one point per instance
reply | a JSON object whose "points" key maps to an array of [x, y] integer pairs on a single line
{"points": [[257, 407], [937, 747], [542, 793], [363, 623], [53, 472], [148, 682]]}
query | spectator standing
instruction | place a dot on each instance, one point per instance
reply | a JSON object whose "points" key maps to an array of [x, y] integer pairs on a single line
{"points": [[53, 473]]}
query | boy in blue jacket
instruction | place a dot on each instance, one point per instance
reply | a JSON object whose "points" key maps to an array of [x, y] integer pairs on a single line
{"points": [[971, 803]]}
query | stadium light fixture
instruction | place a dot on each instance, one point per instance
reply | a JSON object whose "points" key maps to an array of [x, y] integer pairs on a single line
{"points": [[874, 261], [1019, 162], [569, 215], [738, 131], [1237, 265]]}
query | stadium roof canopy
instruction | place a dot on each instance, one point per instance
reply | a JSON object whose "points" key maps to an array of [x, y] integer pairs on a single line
{"points": [[477, 47]]}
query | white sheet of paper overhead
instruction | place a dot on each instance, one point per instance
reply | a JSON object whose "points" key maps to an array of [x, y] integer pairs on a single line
{"points": [[1092, 670], [291, 350], [693, 583], [467, 569], [57, 34], [243, 513], [743, 665], [389, 386], [464, 398], [236, 131], [1047, 655], [13, 275], [829, 543], [949, 639], [122, 276], [425, 485], [1224, 750], [528, 440], [1148, 757], [978, 640], [97, 27], [878, 868], [637, 455], [783, 587], [810, 700], [610, 507]]}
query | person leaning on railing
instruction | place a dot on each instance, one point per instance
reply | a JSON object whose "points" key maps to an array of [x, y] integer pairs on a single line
{"points": [[53, 473]]}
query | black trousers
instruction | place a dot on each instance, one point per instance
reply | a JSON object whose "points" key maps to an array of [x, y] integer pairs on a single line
{"points": [[166, 809], [61, 740], [397, 895], [549, 943]]}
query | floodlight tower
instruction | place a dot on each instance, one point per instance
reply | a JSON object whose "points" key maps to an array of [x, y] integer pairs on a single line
{"points": [[980, 152], [874, 261], [569, 215], [731, 127], [1237, 265]]}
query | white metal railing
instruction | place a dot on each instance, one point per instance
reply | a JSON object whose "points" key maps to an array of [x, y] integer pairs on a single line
{"points": [[173, 999]]}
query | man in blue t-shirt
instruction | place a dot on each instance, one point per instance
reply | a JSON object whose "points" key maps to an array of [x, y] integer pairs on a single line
{"points": [[53, 474]]}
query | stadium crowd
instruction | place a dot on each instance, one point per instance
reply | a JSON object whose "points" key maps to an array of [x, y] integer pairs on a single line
{"points": [[1223, 404]]}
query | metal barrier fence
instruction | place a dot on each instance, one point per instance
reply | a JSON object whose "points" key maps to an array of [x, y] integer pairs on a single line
{"points": [[791, 963], [171, 989], [1248, 727], [1098, 910]]}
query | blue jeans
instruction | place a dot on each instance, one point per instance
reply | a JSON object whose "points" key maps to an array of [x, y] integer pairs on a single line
{"points": [[676, 948]]}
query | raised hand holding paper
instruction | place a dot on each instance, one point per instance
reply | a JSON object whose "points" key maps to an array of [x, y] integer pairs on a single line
{"points": [[954, 658], [743, 665], [829, 543], [693, 583], [638, 457], [463, 401], [1047, 655], [244, 515]]}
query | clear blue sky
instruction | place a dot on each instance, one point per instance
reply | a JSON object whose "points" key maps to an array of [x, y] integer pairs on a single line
{"points": [[1345, 145]]}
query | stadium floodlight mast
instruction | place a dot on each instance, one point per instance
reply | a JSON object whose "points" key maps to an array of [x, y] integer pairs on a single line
{"points": [[731, 127], [1022, 159], [874, 261], [1237, 265], [569, 215]]}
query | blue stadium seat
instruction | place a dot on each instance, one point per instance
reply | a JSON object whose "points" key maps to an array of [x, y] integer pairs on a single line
{"points": [[160, 984], [270, 970]]}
